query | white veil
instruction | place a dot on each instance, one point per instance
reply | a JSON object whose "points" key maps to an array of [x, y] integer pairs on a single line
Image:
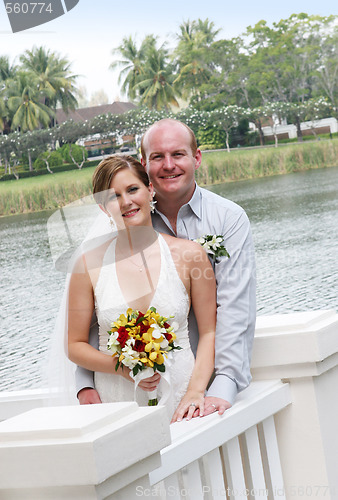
{"points": [[73, 229]]}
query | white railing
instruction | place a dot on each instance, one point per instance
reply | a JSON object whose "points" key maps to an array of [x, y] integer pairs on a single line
{"points": [[235, 456], [278, 441]]}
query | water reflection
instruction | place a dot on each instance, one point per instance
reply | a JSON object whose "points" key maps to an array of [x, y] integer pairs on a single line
{"points": [[294, 223]]}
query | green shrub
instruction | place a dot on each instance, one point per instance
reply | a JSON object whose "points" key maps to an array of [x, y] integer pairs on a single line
{"points": [[76, 151], [54, 158], [205, 147], [212, 135]]}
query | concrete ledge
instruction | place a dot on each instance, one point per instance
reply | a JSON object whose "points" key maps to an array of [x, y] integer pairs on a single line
{"points": [[295, 345], [77, 446]]}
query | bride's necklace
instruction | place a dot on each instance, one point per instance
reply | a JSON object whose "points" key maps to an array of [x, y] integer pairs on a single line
{"points": [[142, 266]]}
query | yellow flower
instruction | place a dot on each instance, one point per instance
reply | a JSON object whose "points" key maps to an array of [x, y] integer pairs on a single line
{"points": [[157, 357], [148, 336]]}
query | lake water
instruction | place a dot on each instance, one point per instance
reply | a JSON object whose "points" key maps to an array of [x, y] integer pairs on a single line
{"points": [[294, 223]]}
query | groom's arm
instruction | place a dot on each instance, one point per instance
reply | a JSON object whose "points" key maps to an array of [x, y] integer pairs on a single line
{"points": [[84, 379], [236, 312]]}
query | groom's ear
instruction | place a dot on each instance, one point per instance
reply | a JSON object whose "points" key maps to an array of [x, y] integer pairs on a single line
{"points": [[151, 189]]}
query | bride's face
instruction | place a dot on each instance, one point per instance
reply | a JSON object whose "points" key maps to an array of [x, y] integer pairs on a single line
{"points": [[128, 200]]}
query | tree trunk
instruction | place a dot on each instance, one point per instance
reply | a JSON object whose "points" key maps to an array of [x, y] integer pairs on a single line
{"points": [[261, 133], [79, 166], [227, 141], [47, 164], [299, 132], [13, 171], [30, 161]]}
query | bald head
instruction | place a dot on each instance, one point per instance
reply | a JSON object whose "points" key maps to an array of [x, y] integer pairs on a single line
{"points": [[167, 124]]}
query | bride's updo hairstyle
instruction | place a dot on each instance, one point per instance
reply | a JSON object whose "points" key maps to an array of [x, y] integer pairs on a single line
{"points": [[108, 168]]}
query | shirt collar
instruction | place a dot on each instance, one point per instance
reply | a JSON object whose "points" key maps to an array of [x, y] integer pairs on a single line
{"points": [[195, 203]]}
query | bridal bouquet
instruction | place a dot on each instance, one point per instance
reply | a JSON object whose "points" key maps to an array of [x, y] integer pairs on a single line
{"points": [[142, 341]]}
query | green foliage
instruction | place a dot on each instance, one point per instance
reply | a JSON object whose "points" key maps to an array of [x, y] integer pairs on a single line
{"points": [[54, 158], [211, 136], [31, 90], [207, 147], [74, 150]]}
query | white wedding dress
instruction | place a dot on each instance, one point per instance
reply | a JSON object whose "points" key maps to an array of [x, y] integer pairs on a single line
{"points": [[170, 298]]}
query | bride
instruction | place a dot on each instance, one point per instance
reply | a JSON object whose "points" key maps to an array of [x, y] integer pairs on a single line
{"points": [[138, 268]]}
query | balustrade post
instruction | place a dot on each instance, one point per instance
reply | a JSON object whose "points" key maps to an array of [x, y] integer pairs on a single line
{"points": [[81, 452], [302, 349]]}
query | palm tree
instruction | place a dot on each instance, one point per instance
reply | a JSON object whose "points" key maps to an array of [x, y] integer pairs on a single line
{"points": [[25, 103], [133, 61], [7, 73], [192, 55], [53, 77], [206, 27], [156, 86], [7, 70]]}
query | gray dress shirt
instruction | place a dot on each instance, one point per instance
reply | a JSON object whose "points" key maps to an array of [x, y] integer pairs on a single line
{"points": [[208, 213]]}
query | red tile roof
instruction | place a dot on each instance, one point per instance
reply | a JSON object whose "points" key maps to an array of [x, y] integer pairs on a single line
{"points": [[82, 114]]}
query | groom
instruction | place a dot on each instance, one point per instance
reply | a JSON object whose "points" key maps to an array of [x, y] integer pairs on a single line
{"points": [[170, 156]]}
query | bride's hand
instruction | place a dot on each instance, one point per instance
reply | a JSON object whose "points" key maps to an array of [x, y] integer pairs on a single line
{"points": [[151, 383], [191, 405]]}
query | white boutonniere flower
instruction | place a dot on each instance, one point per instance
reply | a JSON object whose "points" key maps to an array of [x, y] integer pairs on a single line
{"points": [[212, 244]]}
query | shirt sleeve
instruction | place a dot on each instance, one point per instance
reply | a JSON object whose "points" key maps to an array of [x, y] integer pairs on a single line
{"points": [[236, 309], [85, 378]]}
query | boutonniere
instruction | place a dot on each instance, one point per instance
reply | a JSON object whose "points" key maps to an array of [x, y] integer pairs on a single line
{"points": [[212, 244]]}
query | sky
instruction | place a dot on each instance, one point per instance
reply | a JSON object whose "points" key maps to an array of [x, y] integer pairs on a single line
{"points": [[87, 34]]}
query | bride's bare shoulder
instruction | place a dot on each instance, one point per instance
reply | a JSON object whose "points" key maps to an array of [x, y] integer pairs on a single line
{"points": [[90, 259]]}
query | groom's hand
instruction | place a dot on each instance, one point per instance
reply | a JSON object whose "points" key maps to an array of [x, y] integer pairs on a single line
{"points": [[88, 396], [212, 404]]}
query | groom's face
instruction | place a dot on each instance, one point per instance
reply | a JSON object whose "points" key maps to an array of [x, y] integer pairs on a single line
{"points": [[170, 162]]}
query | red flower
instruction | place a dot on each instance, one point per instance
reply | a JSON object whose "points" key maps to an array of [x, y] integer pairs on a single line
{"points": [[138, 346], [166, 325], [123, 335], [168, 336], [143, 328]]}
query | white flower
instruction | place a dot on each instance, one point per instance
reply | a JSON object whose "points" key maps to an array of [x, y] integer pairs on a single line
{"points": [[130, 356], [113, 344], [212, 244], [200, 240], [130, 342], [158, 331], [164, 344], [216, 242]]}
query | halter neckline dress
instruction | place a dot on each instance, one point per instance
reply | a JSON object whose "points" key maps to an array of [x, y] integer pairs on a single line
{"points": [[170, 298]]}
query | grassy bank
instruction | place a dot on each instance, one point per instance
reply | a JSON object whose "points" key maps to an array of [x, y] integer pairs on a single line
{"points": [[252, 163], [44, 192], [51, 191]]}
